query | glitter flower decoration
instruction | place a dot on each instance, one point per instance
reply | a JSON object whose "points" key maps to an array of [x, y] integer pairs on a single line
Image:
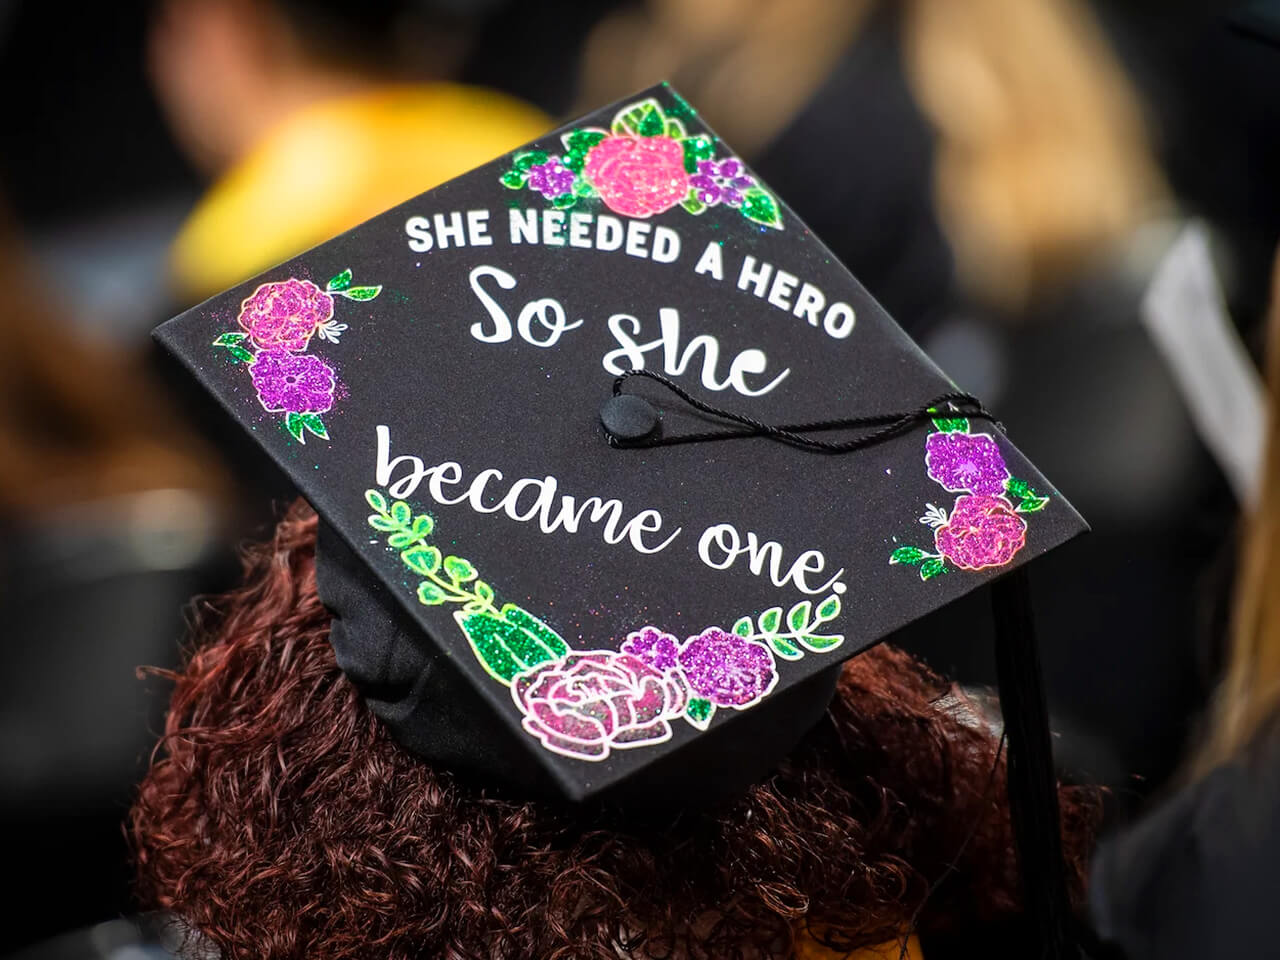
{"points": [[277, 322], [638, 176], [552, 178], [589, 703], [726, 669], [985, 527], [284, 315], [292, 383], [654, 647], [982, 531], [723, 182], [965, 462], [645, 164]]}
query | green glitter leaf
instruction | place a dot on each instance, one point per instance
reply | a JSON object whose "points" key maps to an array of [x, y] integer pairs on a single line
{"points": [[692, 204], [816, 643], [240, 354], [931, 568], [699, 712], [580, 141], [770, 620], [531, 159], [513, 179], [422, 526], [430, 595], [340, 282], [564, 201], [829, 609], [361, 293], [743, 627], [785, 648], [1016, 487], [230, 339], [483, 591], [401, 539], [459, 570], [675, 130], [583, 189], [423, 560], [376, 500], [695, 149], [760, 206], [383, 523], [401, 513], [644, 118], [313, 423], [799, 616], [485, 633], [953, 425], [293, 423], [575, 160], [1032, 504], [912, 555], [532, 625]]}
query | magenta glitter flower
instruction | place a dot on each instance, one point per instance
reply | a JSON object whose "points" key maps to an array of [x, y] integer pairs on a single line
{"points": [[982, 531], [723, 182], [965, 462], [727, 669], [638, 176], [654, 647], [551, 179], [292, 383], [284, 314], [587, 703]]}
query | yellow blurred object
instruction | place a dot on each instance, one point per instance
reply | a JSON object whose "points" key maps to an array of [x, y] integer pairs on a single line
{"points": [[334, 165], [807, 949]]}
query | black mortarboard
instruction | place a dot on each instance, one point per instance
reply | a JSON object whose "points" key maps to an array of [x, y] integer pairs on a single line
{"points": [[548, 572]]}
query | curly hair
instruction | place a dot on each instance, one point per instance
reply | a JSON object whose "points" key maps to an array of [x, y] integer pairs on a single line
{"points": [[279, 819]]}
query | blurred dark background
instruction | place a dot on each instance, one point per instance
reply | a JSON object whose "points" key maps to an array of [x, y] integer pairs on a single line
{"points": [[94, 578]]}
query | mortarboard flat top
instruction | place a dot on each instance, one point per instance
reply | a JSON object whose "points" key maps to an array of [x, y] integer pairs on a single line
{"points": [[433, 381]]}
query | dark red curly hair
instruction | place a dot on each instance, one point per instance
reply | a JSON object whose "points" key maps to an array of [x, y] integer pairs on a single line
{"points": [[279, 820]]}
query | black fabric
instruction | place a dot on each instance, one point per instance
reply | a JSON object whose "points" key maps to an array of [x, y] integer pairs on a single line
{"points": [[433, 712], [1197, 878]]}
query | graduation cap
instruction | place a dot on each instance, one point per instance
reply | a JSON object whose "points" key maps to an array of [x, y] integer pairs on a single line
{"points": [[616, 464]]}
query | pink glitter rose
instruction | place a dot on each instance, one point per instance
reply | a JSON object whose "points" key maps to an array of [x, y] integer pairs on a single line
{"points": [[284, 315], [589, 702], [983, 531], [968, 462], [727, 669], [638, 176], [292, 383]]}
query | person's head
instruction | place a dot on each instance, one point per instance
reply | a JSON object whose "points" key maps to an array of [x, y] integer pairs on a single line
{"points": [[280, 819], [226, 71]]}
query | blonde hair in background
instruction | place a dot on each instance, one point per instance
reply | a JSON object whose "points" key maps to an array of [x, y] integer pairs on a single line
{"points": [[1042, 155], [1249, 695]]}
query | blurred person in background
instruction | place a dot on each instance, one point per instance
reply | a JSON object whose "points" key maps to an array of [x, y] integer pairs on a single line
{"points": [[984, 168], [314, 115], [109, 520], [1197, 878]]}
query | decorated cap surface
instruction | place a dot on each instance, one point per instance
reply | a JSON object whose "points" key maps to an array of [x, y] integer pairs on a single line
{"points": [[433, 381]]}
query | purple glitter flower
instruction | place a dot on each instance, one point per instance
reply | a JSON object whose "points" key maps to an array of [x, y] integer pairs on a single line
{"points": [[591, 701], [727, 669], [654, 647], [966, 462], [981, 532], [292, 383], [551, 179], [722, 182]]}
